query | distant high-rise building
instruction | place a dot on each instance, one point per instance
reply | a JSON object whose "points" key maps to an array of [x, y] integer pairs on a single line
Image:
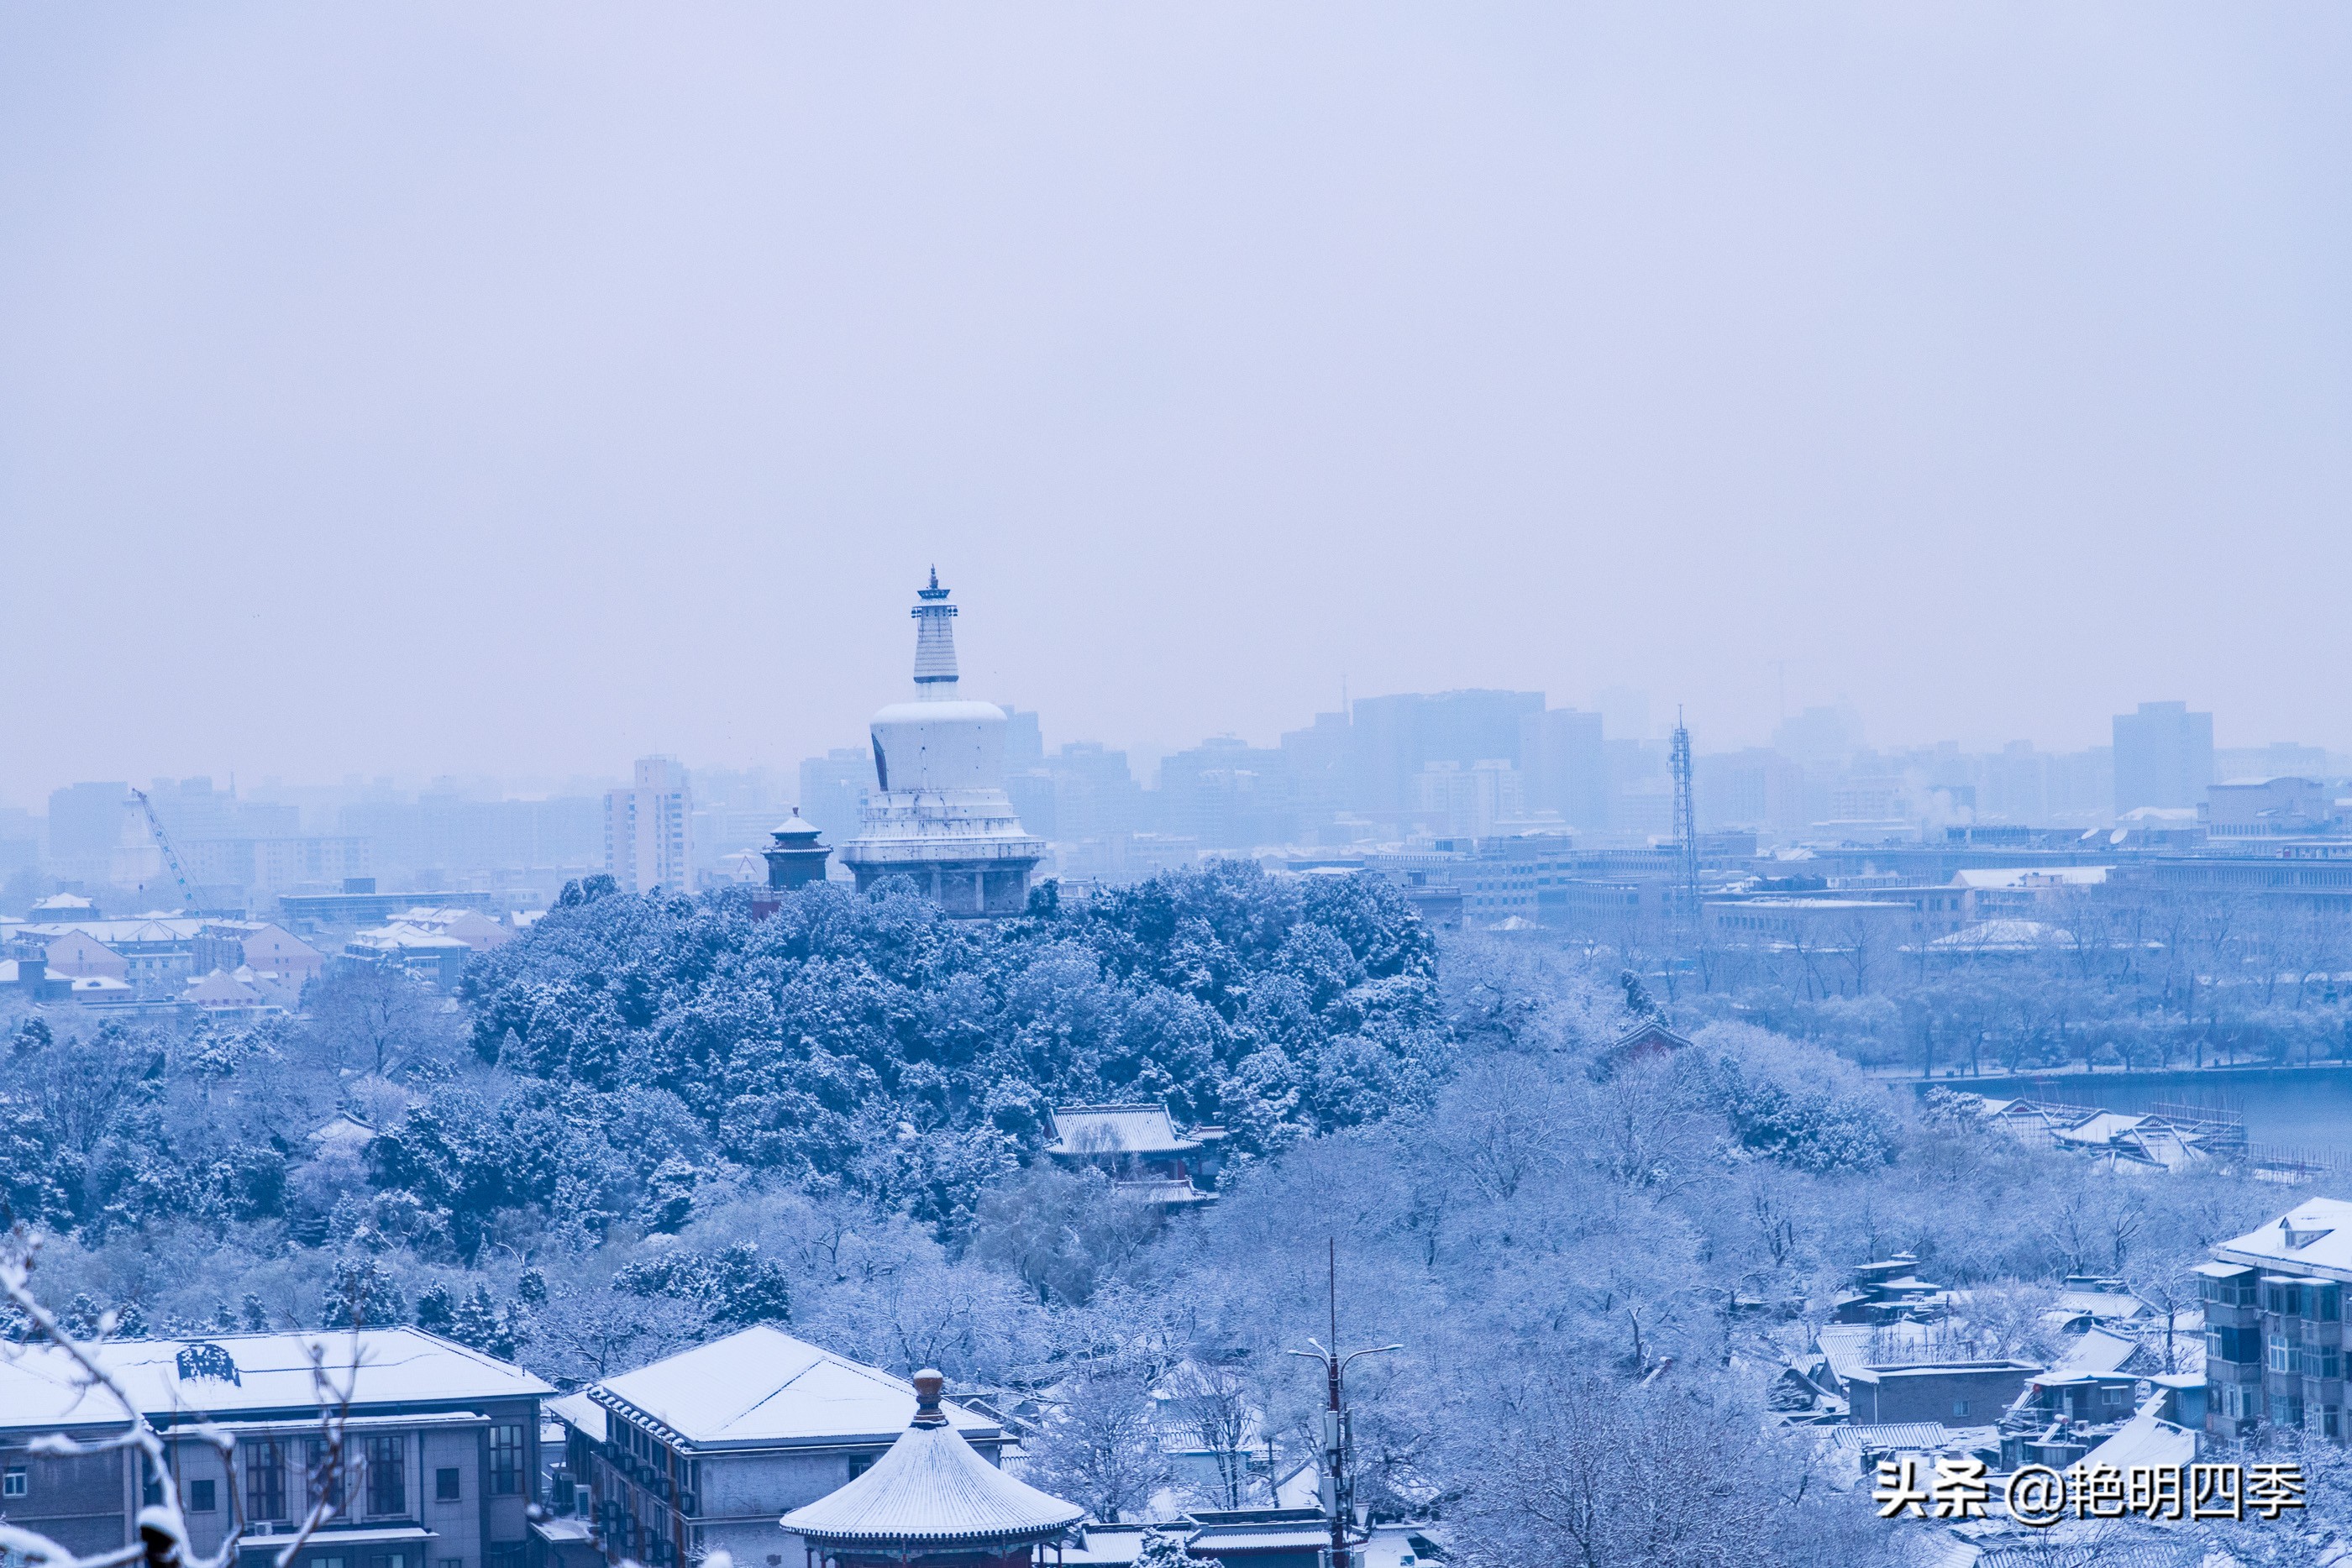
{"points": [[1227, 794], [1756, 788], [1455, 801], [2279, 760], [2164, 757], [1397, 737], [834, 790], [1024, 739], [1094, 793], [1625, 711], [1566, 767], [1820, 737], [1318, 760], [649, 830], [85, 825]]}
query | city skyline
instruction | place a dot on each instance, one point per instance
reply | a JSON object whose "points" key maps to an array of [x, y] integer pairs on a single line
{"points": [[1983, 370], [594, 775]]}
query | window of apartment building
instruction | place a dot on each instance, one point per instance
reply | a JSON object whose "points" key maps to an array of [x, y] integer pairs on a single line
{"points": [[506, 1460], [203, 1497], [336, 1561], [264, 1481], [387, 1475], [2322, 1301], [859, 1464], [446, 1484], [2233, 1344], [388, 1559], [2286, 1300], [2286, 1410], [324, 1473], [2237, 1290], [2331, 1421], [2281, 1354], [15, 1482]]}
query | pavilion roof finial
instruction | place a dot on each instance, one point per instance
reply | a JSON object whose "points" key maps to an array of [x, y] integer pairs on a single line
{"points": [[928, 1386]]}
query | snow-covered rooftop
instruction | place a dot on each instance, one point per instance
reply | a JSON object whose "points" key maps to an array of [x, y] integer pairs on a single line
{"points": [[2313, 1238], [2020, 877], [39, 1387], [580, 1411], [1923, 1436], [117, 932], [933, 1488], [2090, 1356], [2144, 1440], [2103, 1128], [406, 938], [1117, 1129], [760, 1387]]}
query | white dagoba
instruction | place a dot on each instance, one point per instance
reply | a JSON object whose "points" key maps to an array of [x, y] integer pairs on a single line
{"points": [[941, 816]]}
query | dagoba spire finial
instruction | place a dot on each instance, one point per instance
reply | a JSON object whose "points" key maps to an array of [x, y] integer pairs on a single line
{"points": [[935, 659]]}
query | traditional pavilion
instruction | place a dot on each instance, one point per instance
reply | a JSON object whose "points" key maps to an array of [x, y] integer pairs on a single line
{"points": [[941, 816], [795, 859], [932, 1500]]}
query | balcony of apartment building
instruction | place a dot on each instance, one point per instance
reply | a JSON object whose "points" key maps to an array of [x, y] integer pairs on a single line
{"points": [[2235, 1396], [2273, 1349]]}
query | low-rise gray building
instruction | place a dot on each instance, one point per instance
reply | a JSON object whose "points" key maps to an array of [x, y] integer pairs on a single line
{"points": [[709, 1448], [439, 1455]]}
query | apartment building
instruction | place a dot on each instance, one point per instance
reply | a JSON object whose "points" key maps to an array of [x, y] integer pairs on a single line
{"points": [[2275, 1323]]}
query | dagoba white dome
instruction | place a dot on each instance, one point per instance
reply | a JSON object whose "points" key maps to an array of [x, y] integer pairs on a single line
{"points": [[941, 816]]}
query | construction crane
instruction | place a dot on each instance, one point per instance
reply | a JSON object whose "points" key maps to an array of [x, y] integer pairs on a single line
{"points": [[163, 842]]}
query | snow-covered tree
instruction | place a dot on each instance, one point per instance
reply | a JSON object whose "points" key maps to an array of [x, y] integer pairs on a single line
{"points": [[1099, 1444]]}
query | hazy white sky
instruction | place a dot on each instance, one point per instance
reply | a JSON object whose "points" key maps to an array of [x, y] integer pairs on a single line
{"points": [[431, 388]]}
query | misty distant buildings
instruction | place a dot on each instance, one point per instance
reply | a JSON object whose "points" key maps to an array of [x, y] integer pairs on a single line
{"points": [[1564, 759], [85, 826], [1395, 738], [649, 829], [833, 790], [2264, 809], [2164, 757], [1498, 806], [444, 835], [228, 845], [1225, 791], [1470, 802]]}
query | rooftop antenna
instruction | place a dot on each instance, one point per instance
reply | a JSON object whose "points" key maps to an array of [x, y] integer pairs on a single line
{"points": [[1337, 1489]]}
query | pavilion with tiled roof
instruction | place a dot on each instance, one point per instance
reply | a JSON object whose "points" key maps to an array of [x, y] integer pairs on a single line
{"points": [[933, 1499]]}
